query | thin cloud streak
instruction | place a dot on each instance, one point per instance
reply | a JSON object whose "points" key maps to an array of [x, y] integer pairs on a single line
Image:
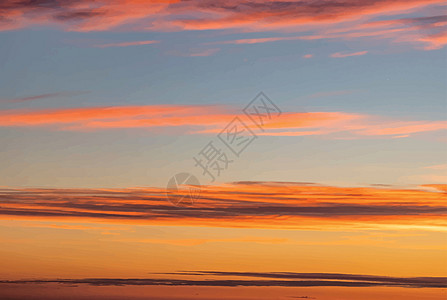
{"points": [[42, 96], [126, 44], [330, 94], [193, 52], [341, 55]]}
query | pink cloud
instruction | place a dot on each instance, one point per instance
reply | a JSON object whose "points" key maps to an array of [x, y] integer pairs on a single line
{"points": [[350, 18], [435, 41], [339, 54]]}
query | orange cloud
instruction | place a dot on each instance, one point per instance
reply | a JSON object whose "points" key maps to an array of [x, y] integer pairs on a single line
{"points": [[212, 119], [113, 117]]}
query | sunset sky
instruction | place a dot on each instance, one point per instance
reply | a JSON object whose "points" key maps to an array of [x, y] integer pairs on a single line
{"points": [[340, 194]]}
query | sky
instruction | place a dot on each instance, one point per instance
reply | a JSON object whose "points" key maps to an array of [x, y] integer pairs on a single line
{"points": [[335, 189]]}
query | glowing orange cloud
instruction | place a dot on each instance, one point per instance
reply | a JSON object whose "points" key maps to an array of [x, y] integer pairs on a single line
{"points": [[212, 119], [112, 117]]}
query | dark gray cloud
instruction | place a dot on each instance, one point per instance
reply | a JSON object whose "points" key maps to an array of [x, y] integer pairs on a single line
{"points": [[283, 8], [35, 4]]}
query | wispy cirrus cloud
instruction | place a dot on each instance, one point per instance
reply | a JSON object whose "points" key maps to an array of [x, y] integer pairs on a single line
{"points": [[243, 204], [125, 44], [424, 37], [211, 119], [342, 125]]}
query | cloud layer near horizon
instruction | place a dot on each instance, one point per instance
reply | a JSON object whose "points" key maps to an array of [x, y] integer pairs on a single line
{"points": [[275, 279], [244, 204]]}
